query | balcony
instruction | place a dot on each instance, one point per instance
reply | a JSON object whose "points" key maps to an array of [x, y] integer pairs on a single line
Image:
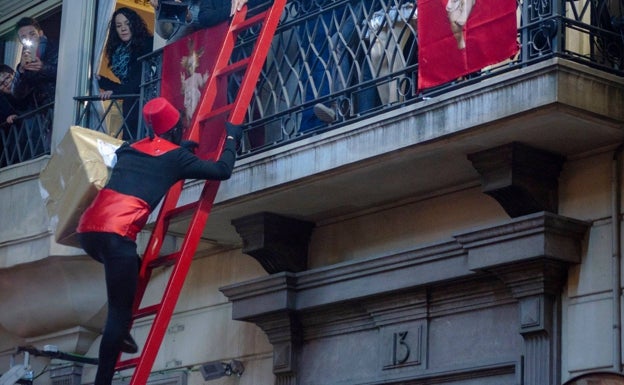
{"points": [[579, 32], [566, 82]]}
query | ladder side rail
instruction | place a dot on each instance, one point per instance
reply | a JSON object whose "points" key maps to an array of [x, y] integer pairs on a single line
{"points": [[175, 284], [258, 58], [171, 198], [180, 269], [164, 310], [155, 242], [151, 252], [210, 89]]}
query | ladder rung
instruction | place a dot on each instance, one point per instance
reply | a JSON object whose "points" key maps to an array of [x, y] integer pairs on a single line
{"points": [[164, 260], [231, 68], [219, 111], [148, 310], [249, 22], [181, 210], [127, 364]]}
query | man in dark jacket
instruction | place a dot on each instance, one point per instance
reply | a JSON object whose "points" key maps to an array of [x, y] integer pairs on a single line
{"points": [[108, 228], [35, 77]]}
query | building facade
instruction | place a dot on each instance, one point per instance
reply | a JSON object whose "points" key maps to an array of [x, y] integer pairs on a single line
{"points": [[470, 234]]}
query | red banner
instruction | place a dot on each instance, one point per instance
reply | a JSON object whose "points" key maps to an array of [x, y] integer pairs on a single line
{"points": [[459, 37], [186, 67]]}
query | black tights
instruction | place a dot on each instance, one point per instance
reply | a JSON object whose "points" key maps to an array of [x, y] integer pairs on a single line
{"points": [[119, 256]]}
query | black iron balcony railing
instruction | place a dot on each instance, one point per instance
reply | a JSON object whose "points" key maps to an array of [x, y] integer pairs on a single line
{"points": [[28, 137], [110, 116], [326, 53]]}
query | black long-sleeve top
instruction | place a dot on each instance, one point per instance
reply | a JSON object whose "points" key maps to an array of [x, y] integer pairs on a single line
{"points": [[143, 174], [149, 177], [212, 12]]}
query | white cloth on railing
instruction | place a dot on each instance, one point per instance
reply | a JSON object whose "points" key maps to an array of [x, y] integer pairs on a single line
{"points": [[402, 14], [389, 32]]}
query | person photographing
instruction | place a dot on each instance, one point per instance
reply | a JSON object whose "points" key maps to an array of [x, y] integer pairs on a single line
{"points": [[35, 76], [107, 230]]}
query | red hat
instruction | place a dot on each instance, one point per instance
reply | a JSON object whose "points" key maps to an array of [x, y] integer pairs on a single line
{"points": [[160, 115]]}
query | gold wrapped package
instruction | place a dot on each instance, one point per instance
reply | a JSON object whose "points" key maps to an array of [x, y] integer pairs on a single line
{"points": [[77, 170]]}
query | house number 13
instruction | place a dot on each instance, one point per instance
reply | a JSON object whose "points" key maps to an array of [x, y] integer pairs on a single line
{"points": [[400, 349]]}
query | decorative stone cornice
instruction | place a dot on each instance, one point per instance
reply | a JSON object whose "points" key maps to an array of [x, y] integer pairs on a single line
{"points": [[540, 237], [522, 179], [279, 243], [519, 263], [274, 293], [535, 236]]}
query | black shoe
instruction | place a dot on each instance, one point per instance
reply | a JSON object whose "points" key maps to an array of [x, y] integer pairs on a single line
{"points": [[128, 345]]}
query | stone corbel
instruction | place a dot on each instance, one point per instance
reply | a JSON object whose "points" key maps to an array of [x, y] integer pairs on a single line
{"points": [[531, 256], [537, 286], [279, 243], [522, 179], [284, 332], [269, 304]]}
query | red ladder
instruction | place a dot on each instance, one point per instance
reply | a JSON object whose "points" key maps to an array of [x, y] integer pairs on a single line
{"points": [[209, 118]]}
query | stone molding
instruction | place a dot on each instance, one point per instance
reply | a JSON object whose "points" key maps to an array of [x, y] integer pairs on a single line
{"points": [[521, 263]]}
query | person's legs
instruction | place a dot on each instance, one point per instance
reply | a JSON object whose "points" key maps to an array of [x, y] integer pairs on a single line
{"points": [[121, 272]]}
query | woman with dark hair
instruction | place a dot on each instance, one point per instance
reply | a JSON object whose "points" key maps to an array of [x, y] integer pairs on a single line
{"points": [[128, 40]]}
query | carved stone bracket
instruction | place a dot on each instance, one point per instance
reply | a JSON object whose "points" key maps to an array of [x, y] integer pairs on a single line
{"points": [[522, 179], [270, 305], [279, 243], [68, 374], [537, 285], [531, 256], [284, 332]]}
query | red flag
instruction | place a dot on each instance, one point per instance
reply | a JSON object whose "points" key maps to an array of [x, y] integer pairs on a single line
{"points": [[459, 37], [186, 66]]}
